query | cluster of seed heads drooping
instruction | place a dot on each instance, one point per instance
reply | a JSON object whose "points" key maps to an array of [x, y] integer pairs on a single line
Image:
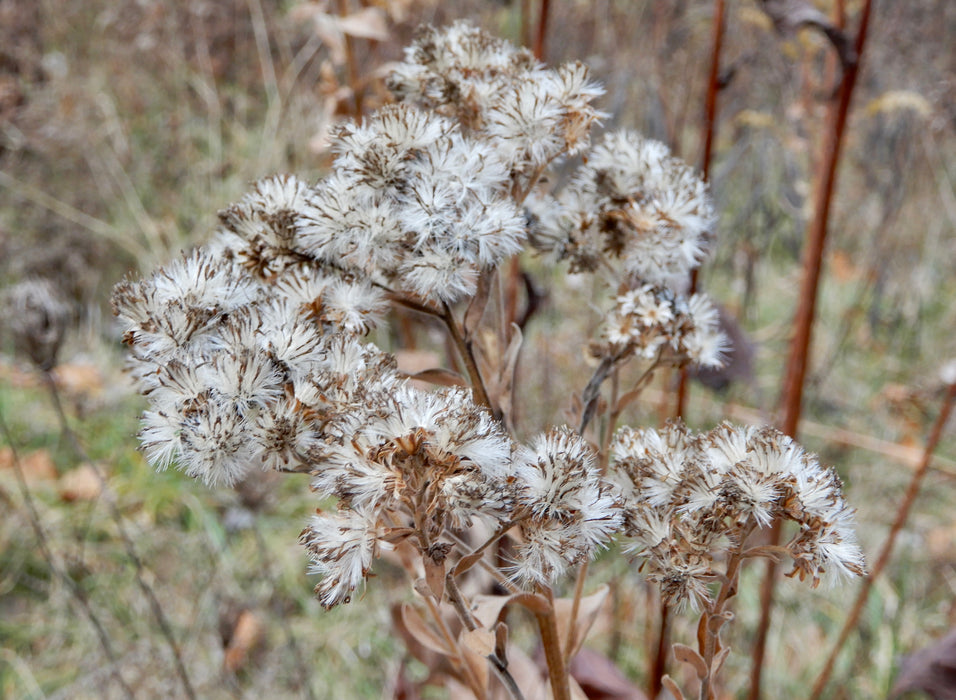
{"points": [[688, 498], [252, 354]]}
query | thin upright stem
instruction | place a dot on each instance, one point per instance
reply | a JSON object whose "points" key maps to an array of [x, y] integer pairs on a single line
{"points": [[716, 616], [498, 665], [901, 516], [351, 63], [792, 395], [572, 641], [553, 654], [709, 128], [542, 32], [466, 351]]}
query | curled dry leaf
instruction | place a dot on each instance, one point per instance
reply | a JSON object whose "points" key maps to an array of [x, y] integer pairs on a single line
{"points": [[600, 679], [588, 609], [687, 655], [672, 687], [414, 625], [37, 465]]}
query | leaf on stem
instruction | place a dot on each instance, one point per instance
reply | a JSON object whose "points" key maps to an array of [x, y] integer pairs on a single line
{"points": [[476, 308], [413, 625], [588, 609], [672, 687], [687, 655], [480, 640], [439, 377]]}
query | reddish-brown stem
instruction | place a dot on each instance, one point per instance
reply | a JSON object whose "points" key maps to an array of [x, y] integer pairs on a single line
{"points": [[542, 32], [708, 645], [553, 654], [457, 659], [351, 63], [468, 357], [709, 127], [901, 515], [792, 395], [575, 606], [659, 661]]}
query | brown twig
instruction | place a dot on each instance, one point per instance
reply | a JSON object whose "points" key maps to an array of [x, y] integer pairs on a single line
{"points": [[901, 515], [466, 351], [351, 63], [542, 31], [792, 395], [661, 649], [553, 654], [708, 127], [498, 665]]}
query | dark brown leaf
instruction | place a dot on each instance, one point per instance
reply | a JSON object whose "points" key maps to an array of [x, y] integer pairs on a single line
{"points": [[600, 679], [931, 670], [790, 15]]}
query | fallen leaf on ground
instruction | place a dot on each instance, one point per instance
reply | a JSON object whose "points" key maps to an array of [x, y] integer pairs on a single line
{"points": [[80, 484], [37, 465]]}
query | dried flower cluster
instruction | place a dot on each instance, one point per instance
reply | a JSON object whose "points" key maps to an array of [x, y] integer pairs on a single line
{"points": [[691, 498], [650, 321], [632, 203], [528, 113], [251, 350]]}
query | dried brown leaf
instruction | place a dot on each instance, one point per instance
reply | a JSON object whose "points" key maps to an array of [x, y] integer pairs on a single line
{"points": [[588, 609], [489, 609], [931, 670], [600, 679], [480, 640], [688, 655], [476, 308], [672, 687], [414, 624], [435, 577], [440, 377]]}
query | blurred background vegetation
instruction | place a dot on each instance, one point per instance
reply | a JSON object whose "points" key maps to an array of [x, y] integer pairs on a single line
{"points": [[125, 125]]}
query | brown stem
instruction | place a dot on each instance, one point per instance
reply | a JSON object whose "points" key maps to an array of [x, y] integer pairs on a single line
{"points": [[575, 606], [466, 351], [553, 654], [351, 62], [498, 665], [457, 658], [716, 616], [542, 32], [792, 395], [709, 127], [901, 515], [659, 661]]}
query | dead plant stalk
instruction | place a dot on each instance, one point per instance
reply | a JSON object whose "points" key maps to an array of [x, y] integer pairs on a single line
{"points": [[792, 395]]}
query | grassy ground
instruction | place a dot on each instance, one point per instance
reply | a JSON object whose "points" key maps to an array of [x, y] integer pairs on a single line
{"points": [[118, 151]]}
